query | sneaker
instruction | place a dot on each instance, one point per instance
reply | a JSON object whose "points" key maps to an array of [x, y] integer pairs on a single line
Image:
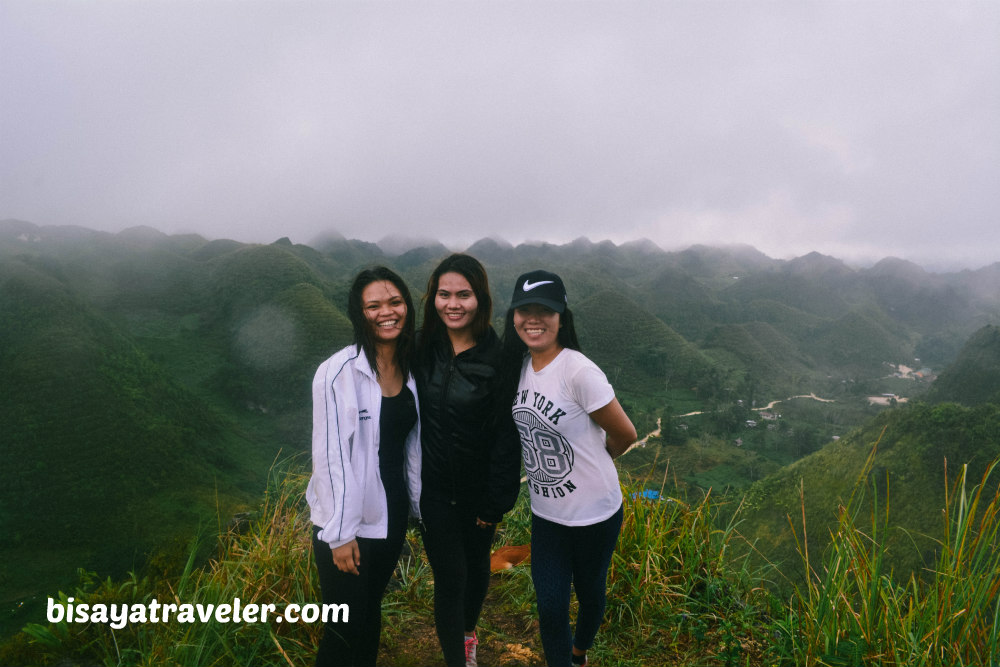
{"points": [[470, 650], [574, 663]]}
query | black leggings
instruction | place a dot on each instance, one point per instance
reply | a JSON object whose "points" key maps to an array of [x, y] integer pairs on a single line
{"points": [[355, 643], [459, 554], [562, 556]]}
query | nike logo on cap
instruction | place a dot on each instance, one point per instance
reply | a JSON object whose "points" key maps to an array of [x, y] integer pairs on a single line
{"points": [[527, 287]]}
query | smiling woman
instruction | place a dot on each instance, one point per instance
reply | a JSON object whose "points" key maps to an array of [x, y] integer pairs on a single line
{"points": [[571, 427], [366, 463], [471, 469]]}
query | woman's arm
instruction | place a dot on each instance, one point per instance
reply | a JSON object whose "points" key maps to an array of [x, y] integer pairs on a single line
{"points": [[504, 470], [614, 421], [335, 497]]}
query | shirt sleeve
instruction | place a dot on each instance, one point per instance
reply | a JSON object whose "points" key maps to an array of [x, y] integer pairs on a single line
{"points": [[589, 386]]}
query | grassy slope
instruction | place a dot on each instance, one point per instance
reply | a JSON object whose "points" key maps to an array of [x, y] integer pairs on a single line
{"points": [[668, 593], [914, 444], [758, 348], [680, 593], [100, 442]]}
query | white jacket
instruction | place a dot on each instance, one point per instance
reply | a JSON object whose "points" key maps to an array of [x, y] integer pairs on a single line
{"points": [[345, 492]]}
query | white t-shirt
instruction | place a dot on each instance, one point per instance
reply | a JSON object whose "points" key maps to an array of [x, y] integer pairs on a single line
{"points": [[571, 476]]}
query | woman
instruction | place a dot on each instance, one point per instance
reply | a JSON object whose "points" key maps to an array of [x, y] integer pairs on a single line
{"points": [[471, 466], [366, 463], [571, 427]]}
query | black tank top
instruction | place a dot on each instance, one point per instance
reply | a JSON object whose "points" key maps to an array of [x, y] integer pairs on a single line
{"points": [[398, 416]]}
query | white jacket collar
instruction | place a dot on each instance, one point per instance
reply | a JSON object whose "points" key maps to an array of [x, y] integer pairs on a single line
{"points": [[361, 363]]}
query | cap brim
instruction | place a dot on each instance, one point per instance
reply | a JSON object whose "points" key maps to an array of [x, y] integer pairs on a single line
{"points": [[548, 303]]}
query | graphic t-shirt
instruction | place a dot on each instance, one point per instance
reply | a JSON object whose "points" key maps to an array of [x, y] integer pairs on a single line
{"points": [[571, 476]]}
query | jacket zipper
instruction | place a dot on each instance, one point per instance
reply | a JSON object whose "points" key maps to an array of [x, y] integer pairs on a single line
{"points": [[447, 421]]}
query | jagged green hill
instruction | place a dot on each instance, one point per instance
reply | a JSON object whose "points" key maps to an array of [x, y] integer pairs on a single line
{"points": [[272, 347], [917, 298], [638, 352], [106, 458], [974, 378], [719, 267], [800, 292], [681, 301], [245, 278], [796, 324], [349, 254], [273, 321], [761, 350], [858, 342]]}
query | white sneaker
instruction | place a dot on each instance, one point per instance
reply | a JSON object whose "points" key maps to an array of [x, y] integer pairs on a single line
{"points": [[470, 650]]}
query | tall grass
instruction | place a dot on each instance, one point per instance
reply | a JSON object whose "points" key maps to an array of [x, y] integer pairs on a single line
{"points": [[668, 589], [854, 611], [269, 563], [681, 592], [677, 591]]}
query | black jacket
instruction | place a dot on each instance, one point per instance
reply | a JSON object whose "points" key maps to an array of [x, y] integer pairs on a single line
{"points": [[471, 448]]}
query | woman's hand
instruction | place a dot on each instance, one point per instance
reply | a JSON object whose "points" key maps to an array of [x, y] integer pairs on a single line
{"points": [[620, 431], [347, 557], [483, 524]]}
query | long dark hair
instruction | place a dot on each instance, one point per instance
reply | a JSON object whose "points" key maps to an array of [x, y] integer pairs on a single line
{"points": [[364, 333], [472, 270]]}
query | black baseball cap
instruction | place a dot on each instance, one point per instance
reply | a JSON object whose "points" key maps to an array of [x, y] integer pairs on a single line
{"points": [[542, 287]]}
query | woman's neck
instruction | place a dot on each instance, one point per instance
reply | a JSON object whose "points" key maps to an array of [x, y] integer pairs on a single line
{"points": [[385, 353], [461, 339], [390, 379], [543, 358]]}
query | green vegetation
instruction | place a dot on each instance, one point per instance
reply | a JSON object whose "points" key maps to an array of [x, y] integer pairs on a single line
{"points": [[916, 445], [681, 591], [670, 598], [99, 441], [148, 384], [837, 342], [855, 610], [656, 359], [149, 381], [975, 376]]}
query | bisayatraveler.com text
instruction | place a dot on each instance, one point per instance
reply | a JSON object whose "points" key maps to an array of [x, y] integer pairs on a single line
{"points": [[117, 616]]}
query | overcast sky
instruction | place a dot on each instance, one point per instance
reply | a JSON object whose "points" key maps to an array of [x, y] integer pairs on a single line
{"points": [[856, 129]]}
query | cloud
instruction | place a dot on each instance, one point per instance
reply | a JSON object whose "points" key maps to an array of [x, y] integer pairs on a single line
{"points": [[826, 125]]}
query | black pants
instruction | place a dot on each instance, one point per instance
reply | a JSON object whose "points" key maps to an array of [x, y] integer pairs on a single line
{"points": [[562, 556], [355, 643], [459, 554]]}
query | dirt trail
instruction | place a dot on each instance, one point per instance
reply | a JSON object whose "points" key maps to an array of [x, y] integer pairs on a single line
{"points": [[812, 396], [659, 422]]}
